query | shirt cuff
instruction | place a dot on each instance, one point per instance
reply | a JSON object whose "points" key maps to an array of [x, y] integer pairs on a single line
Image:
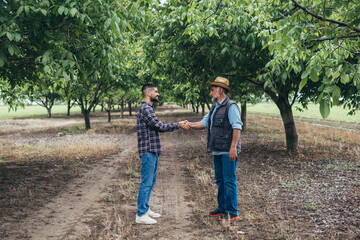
{"points": [[237, 126], [204, 123]]}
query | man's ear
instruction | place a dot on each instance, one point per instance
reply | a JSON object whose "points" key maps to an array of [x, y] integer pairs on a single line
{"points": [[147, 94], [221, 91]]}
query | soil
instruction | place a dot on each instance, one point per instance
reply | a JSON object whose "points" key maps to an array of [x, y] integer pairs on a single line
{"points": [[311, 195]]}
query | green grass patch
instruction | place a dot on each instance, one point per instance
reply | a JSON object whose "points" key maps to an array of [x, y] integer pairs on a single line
{"points": [[336, 113], [35, 110]]}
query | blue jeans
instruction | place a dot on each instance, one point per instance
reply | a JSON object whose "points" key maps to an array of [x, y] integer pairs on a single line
{"points": [[225, 176], [149, 163]]}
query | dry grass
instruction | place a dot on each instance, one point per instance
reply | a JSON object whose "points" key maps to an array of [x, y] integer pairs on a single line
{"points": [[125, 126], [25, 126], [110, 227], [71, 147], [310, 135]]}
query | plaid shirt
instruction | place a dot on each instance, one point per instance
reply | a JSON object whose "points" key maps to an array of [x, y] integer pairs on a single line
{"points": [[148, 127]]}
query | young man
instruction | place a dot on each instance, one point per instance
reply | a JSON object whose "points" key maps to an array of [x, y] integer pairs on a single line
{"points": [[224, 124], [148, 128]]}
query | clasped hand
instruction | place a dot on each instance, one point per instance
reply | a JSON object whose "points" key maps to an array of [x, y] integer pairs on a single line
{"points": [[185, 125]]}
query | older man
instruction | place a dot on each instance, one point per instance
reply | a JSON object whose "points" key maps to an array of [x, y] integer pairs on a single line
{"points": [[224, 124]]}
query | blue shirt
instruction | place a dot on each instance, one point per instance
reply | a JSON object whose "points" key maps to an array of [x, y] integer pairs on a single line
{"points": [[234, 119]]}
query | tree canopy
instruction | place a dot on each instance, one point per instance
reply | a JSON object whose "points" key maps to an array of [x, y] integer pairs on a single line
{"points": [[292, 51]]}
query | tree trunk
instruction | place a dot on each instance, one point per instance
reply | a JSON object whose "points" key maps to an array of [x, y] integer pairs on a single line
{"points": [[68, 108], [109, 115], [122, 110], [243, 116], [130, 110], [289, 123], [87, 118], [208, 105], [202, 109], [193, 106], [94, 108], [49, 111]]}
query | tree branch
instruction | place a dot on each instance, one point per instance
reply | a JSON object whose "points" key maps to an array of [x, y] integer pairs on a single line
{"points": [[217, 8], [332, 38], [344, 24]]}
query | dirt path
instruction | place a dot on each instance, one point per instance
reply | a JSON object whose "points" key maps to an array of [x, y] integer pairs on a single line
{"points": [[64, 212]]}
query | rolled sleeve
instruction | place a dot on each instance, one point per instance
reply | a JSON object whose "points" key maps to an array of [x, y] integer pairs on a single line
{"points": [[235, 117], [205, 121]]}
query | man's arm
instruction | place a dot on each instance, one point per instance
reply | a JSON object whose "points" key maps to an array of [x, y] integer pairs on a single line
{"points": [[151, 120], [200, 125], [196, 125], [234, 142]]}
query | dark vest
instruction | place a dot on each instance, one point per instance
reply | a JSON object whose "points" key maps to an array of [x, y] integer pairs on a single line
{"points": [[220, 138]]}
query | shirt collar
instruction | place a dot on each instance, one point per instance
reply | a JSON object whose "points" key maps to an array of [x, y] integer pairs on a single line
{"points": [[144, 102], [218, 104]]}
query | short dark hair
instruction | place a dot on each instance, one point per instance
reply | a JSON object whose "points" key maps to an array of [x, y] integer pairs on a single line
{"points": [[146, 88]]}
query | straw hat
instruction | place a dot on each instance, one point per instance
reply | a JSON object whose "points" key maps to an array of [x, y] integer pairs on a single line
{"points": [[220, 82]]}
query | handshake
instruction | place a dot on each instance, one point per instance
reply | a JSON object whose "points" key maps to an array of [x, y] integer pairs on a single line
{"points": [[185, 125]]}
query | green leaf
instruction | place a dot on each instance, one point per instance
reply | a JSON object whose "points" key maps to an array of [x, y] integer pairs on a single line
{"points": [[305, 73], [211, 31], [302, 83], [27, 9], [115, 28], [336, 96], [46, 69], [66, 76], [223, 51], [230, 19], [10, 36], [283, 77], [324, 108], [17, 37], [2, 61], [11, 50], [133, 10], [320, 98], [18, 12], [107, 23], [344, 78], [129, 27], [313, 76], [43, 11], [61, 10], [46, 57], [73, 11]]}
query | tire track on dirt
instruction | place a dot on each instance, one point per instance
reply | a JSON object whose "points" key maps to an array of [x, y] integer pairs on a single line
{"points": [[64, 212]]}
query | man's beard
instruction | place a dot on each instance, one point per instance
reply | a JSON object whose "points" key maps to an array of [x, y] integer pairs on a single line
{"points": [[215, 98], [154, 99]]}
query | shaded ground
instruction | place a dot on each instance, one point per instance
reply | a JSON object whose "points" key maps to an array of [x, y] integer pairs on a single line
{"points": [[312, 195]]}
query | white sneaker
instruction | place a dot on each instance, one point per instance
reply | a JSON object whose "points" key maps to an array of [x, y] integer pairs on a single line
{"points": [[153, 214], [145, 219]]}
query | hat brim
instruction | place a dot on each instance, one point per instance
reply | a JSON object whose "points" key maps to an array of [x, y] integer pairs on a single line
{"points": [[210, 84]]}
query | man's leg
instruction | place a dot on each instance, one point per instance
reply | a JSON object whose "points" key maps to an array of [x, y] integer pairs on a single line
{"points": [[148, 165], [218, 167], [154, 176], [230, 185]]}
